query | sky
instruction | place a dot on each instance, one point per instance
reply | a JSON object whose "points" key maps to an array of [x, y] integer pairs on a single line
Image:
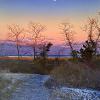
{"points": [[49, 13]]}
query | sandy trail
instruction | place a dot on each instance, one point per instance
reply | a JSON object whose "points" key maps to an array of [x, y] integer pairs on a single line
{"points": [[31, 87]]}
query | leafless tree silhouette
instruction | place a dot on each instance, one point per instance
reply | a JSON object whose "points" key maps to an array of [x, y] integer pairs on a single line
{"points": [[97, 24], [68, 35], [16, 35], [35, 30], [93, 30], [90, 27]]}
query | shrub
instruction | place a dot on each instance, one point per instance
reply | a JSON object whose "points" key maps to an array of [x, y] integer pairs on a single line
{"points": [[76, 75], [87, 52]]}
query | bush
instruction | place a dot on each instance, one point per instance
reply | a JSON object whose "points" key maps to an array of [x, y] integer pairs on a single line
{"points": [[25, 66], [87, 52], [75, 75]]}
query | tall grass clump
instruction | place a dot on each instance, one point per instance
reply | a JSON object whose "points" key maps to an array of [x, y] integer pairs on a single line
{"points": [[76, 75]]}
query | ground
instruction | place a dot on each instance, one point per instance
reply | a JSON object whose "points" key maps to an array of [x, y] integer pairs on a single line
{"points": [[31, 87]]}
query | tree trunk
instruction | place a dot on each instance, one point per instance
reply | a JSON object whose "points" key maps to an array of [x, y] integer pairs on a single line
{"points": [[17, 44], [34, 51]]}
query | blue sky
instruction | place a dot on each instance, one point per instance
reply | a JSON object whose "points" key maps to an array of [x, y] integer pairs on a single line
{"points": [[48, 7]]}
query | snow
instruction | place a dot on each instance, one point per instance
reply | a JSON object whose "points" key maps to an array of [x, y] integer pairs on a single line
{"points": [[32, 88], [79, 94]]}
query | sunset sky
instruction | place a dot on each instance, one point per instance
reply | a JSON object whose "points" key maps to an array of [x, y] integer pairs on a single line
{"points": [[49, 13]]}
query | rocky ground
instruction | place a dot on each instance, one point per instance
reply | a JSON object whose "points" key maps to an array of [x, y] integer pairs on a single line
{"points": [[31, 87]]}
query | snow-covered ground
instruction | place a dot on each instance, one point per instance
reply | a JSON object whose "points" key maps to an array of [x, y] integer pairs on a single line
{"points": [[31, 87]]}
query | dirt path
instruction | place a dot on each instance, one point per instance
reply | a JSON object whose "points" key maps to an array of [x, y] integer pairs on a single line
{"points": [[30, 87], [25, 87]]}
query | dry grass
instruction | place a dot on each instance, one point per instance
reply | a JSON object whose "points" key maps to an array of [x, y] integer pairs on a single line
{"points": [[25, 66], [64, 72], [75, 75], [7, 87]]}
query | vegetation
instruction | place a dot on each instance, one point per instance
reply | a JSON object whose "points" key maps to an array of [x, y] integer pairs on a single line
{"points": [[68, 36], [35, 37], [88, 51], [72, 74], [7, 87], [16, 35], [26, 66], [81, 70]]}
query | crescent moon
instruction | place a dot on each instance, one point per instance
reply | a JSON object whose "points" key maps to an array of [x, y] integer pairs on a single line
{"points": [[54, 0]]}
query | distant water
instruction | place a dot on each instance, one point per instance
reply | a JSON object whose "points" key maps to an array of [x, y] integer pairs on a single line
{"points": [[50, 56], [60, 56]]}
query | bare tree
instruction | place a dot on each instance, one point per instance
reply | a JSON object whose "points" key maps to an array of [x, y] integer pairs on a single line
{"points": [[2, 48], [90, 28], [68, 35], [97, 25], [35, 30], [93, 30], [16, 35]]}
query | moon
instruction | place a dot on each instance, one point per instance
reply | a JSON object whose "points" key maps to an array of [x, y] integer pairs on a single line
{"points": [[54, 0]]}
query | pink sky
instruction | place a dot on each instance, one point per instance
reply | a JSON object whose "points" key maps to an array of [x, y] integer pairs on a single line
{"points": [[48, 13]]}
